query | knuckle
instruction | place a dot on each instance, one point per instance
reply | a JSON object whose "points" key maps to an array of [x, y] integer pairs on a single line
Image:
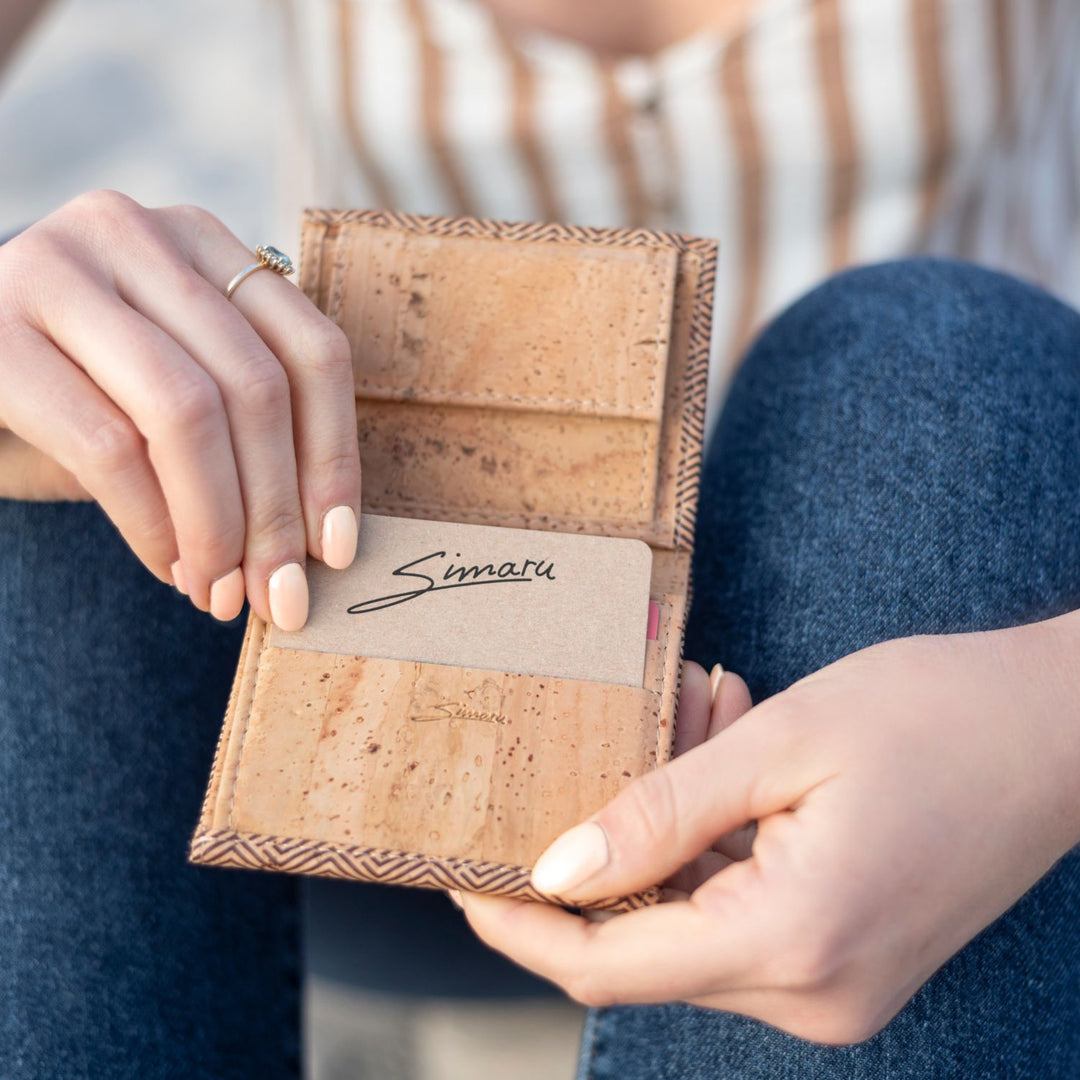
{"points": [[218, 548], [263, 388], [191, 291], [156, 527], [28, 260], [334, 477], [105, 201], [281, 530], [41, 245], [111, 445], [42, 270], [324, 349], [192, 220], [105, 209], [190, 401], [651, 808]]}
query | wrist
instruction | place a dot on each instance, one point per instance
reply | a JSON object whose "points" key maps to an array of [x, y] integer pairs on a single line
{"points": [[1047, 656]]}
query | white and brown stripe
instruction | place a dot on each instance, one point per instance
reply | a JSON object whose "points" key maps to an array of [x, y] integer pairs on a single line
{"points": [[814, 135]]}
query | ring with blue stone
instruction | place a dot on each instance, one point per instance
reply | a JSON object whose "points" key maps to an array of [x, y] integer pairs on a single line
{"points": [[269, 259]]}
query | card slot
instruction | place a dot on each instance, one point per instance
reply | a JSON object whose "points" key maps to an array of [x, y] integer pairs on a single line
{"points": [[426, 460], [450, 762]]}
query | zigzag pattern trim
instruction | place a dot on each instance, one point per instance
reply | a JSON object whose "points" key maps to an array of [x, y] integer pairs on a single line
{"points": [[692, 433], [253, 851], [492, 229]]}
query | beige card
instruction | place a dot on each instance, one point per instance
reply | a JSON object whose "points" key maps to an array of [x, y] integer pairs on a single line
{"points": [[538, 603]]}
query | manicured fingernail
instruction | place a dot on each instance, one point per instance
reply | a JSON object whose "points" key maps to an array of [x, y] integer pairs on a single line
{"points": [[455, 897], [715, 676], [177, 571], [289, 596], [572, 859], [227, 595], [339, 533]]}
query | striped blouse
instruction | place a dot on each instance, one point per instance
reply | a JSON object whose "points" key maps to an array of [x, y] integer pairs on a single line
{"points": [[819, 134]]}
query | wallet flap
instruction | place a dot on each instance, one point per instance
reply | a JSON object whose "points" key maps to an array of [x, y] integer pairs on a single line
{"points": [[537, 376], [561, 328]]}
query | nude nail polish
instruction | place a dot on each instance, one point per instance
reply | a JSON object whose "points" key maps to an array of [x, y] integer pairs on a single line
{"points": [[339, 534], [572, 859], [289, 597], [227, 595], [177, 571], [715, 676]]}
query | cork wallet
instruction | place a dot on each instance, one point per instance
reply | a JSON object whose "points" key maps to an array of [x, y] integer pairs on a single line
{"points": [[535, 377]]}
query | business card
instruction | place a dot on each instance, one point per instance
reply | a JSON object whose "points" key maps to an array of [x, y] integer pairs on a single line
{"points": [[477, 596]]}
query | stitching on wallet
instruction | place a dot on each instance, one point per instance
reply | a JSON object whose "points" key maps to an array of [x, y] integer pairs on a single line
{"points": [[234, 693], [417, 394], [309, 271], [692, 429], [660, 716], [247, 723], [500, 517], [343, 263], [643, 505]]}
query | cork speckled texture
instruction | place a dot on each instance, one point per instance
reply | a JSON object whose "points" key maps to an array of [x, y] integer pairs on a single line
{"points": [[545, 377]]}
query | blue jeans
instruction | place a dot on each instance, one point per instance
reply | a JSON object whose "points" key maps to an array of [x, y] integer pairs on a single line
{"points": [[900, 454]]}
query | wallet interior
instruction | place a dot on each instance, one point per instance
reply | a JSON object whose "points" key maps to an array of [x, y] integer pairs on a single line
{"points": [[538, 377]]}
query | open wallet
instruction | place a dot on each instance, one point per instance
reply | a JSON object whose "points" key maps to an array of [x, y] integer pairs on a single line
{"points": [[531, 408]]}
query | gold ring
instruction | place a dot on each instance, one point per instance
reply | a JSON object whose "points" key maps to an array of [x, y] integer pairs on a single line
{"points": [[269, 259]]}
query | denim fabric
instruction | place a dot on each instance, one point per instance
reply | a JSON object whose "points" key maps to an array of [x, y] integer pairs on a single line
{"points": [[899, 454], [117, 959]]}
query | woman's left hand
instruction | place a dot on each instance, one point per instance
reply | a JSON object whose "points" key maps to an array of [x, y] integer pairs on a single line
{"points": [[904, 796]]}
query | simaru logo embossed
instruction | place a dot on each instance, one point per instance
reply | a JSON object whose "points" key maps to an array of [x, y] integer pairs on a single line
{"points": [[456, 710], [440, 573]]}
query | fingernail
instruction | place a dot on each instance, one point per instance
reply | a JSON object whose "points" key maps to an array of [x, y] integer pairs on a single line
{"points": [[572, 859], [289, 597], [177, 571], [715, 676], [227, 595], [455, 897], [339, 533]]}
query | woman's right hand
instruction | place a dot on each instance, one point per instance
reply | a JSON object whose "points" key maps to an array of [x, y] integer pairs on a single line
{"points": [[219, 436]]}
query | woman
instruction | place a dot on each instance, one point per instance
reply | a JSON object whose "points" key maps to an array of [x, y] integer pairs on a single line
{"points": [[897, 457]]}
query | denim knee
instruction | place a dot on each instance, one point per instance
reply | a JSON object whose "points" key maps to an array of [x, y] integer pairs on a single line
{"points": [[899, 453], [927, 327]]}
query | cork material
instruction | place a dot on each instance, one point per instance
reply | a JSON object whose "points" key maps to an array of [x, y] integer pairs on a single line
{"points": [[543, 377]]}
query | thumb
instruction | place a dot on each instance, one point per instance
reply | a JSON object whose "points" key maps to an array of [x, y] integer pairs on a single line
{"points": [[664, 819]]}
